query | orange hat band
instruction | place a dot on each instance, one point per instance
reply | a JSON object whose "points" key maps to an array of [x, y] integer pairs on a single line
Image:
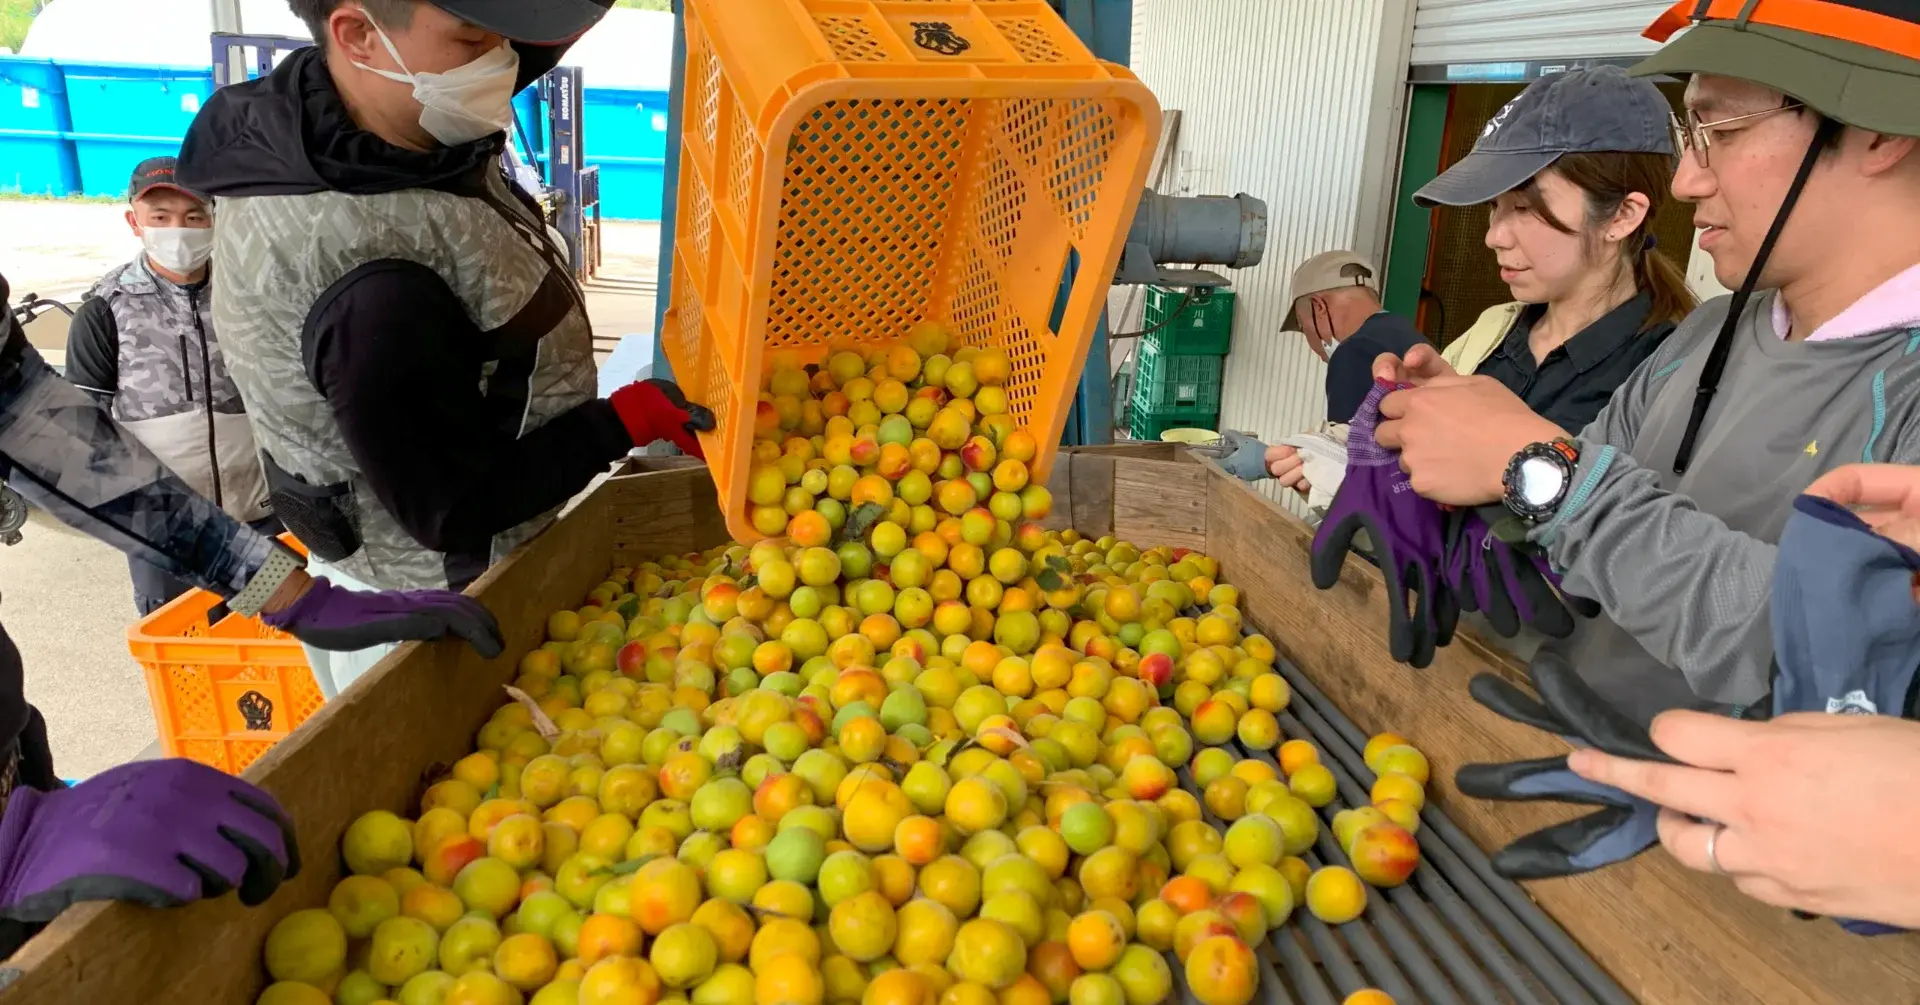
{"points": [[1870, 23]]}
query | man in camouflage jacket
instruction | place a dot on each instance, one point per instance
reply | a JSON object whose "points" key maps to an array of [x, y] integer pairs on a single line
{"points": [[143, 345]]}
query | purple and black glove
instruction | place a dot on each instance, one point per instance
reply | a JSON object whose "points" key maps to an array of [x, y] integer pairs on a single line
{"points": [[1512, 585], [157, 833], [1623, 826], [1408, 534], [342, 620]]}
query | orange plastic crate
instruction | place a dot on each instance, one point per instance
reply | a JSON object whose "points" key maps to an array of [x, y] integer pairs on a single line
{"points": [[223, 692], [849, 168]]}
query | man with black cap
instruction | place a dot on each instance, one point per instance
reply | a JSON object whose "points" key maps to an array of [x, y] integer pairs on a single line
{"points": [[142, 343], [1799, 153], [414, 352]]}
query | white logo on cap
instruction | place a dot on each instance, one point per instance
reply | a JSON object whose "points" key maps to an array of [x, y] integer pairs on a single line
{"points": [[1499, 119], [1853, 703]]}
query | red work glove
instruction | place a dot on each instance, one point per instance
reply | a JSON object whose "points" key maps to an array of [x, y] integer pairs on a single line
{"points": [[657, 410]]}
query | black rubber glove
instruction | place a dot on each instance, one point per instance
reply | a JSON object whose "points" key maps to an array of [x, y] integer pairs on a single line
{"points": [[1623, 826], [1511, 584]]}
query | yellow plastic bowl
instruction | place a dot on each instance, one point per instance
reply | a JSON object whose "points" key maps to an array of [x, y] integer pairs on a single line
{"points": [[1189, 436]]}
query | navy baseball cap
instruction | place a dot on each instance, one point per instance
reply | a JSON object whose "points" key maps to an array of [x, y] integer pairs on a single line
{"points": [[1586, 111], [540, 22], [157, 172]]}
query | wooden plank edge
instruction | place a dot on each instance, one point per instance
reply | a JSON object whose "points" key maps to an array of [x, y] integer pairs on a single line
{"points": [[1159, 502], [1091, 506]]}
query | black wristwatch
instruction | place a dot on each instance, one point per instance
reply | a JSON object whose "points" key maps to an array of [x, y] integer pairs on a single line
{"points": [[1539, 478]]}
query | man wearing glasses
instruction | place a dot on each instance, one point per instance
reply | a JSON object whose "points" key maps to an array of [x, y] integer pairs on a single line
{"points": [[1798, 152]]}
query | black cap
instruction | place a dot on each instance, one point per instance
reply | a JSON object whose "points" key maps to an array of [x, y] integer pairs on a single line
{"points": [[157, 172], [541, 22], [1591, 110]]}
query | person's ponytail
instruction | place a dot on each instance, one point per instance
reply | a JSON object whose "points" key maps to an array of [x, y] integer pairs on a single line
{"points": [[1607, 179], [1661, 279]]}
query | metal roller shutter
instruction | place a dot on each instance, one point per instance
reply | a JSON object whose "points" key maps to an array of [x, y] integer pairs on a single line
{"points": [[1495, 31]]}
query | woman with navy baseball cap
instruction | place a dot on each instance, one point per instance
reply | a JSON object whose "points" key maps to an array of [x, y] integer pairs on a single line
{"points": [[1575, 170]]}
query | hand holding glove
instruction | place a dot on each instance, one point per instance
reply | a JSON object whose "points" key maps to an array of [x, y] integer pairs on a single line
{"points": [[158, 833], [657, 410], [1408, 535], [1245, 457], [1511, 584], [342, 620], [1845, 624], [1623, 827], [1841, 591]]}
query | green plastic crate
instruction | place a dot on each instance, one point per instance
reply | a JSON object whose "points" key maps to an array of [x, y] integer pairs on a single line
{"points": [[1147, 424], [1202, 325], [1166, 382]]}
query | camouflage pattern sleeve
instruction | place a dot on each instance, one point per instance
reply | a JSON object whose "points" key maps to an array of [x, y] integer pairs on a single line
{"points": [[61, 451]]}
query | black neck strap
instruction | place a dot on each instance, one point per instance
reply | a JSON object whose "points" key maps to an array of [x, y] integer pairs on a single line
{"points": [[1723, 345]]}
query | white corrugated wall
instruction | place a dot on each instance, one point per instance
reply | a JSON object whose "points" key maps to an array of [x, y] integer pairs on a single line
{"points": [[1301, 103], [1492, 31]]}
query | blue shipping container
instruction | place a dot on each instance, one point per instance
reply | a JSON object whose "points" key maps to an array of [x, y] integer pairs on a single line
{"points": [[627, 138], [69, 127], [124, 114], [529, 115], [35, 157]]}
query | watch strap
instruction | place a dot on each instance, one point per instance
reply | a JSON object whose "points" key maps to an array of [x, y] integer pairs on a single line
{"points": [[1506, 526], [282, 562]]}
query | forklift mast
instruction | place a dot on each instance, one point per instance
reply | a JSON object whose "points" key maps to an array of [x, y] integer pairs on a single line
{"points": [[573, 187]]}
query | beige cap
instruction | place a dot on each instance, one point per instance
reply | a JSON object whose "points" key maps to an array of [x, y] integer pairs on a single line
{"points": [[1329, 270]]}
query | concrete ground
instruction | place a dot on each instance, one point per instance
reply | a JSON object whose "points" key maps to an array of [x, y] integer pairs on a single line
{"points": [[65, 598]]}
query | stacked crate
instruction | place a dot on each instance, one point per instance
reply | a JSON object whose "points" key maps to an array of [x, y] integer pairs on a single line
{"points": [[1178, 374]]}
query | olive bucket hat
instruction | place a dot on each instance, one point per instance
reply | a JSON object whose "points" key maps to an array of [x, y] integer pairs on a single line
{"points": [[1855, 61]]}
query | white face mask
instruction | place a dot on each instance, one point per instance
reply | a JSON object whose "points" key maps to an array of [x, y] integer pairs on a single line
{"points": [[179, 249], [466, 103]]}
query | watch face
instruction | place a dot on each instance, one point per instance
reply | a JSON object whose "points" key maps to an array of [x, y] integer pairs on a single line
{"points": [[1541, 481]]}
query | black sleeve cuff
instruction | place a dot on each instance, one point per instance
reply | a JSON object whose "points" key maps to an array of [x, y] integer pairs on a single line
{"points": [[93, 349]]}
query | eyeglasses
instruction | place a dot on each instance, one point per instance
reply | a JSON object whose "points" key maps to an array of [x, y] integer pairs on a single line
{"points": [[1691, 135]]}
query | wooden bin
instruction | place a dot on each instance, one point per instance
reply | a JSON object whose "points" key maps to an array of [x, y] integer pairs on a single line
{"points": [[1669, 936]]}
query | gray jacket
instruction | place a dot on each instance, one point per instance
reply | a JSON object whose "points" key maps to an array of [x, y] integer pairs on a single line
{"points": [[278, 256], [1683, 564], [146, 347]]}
